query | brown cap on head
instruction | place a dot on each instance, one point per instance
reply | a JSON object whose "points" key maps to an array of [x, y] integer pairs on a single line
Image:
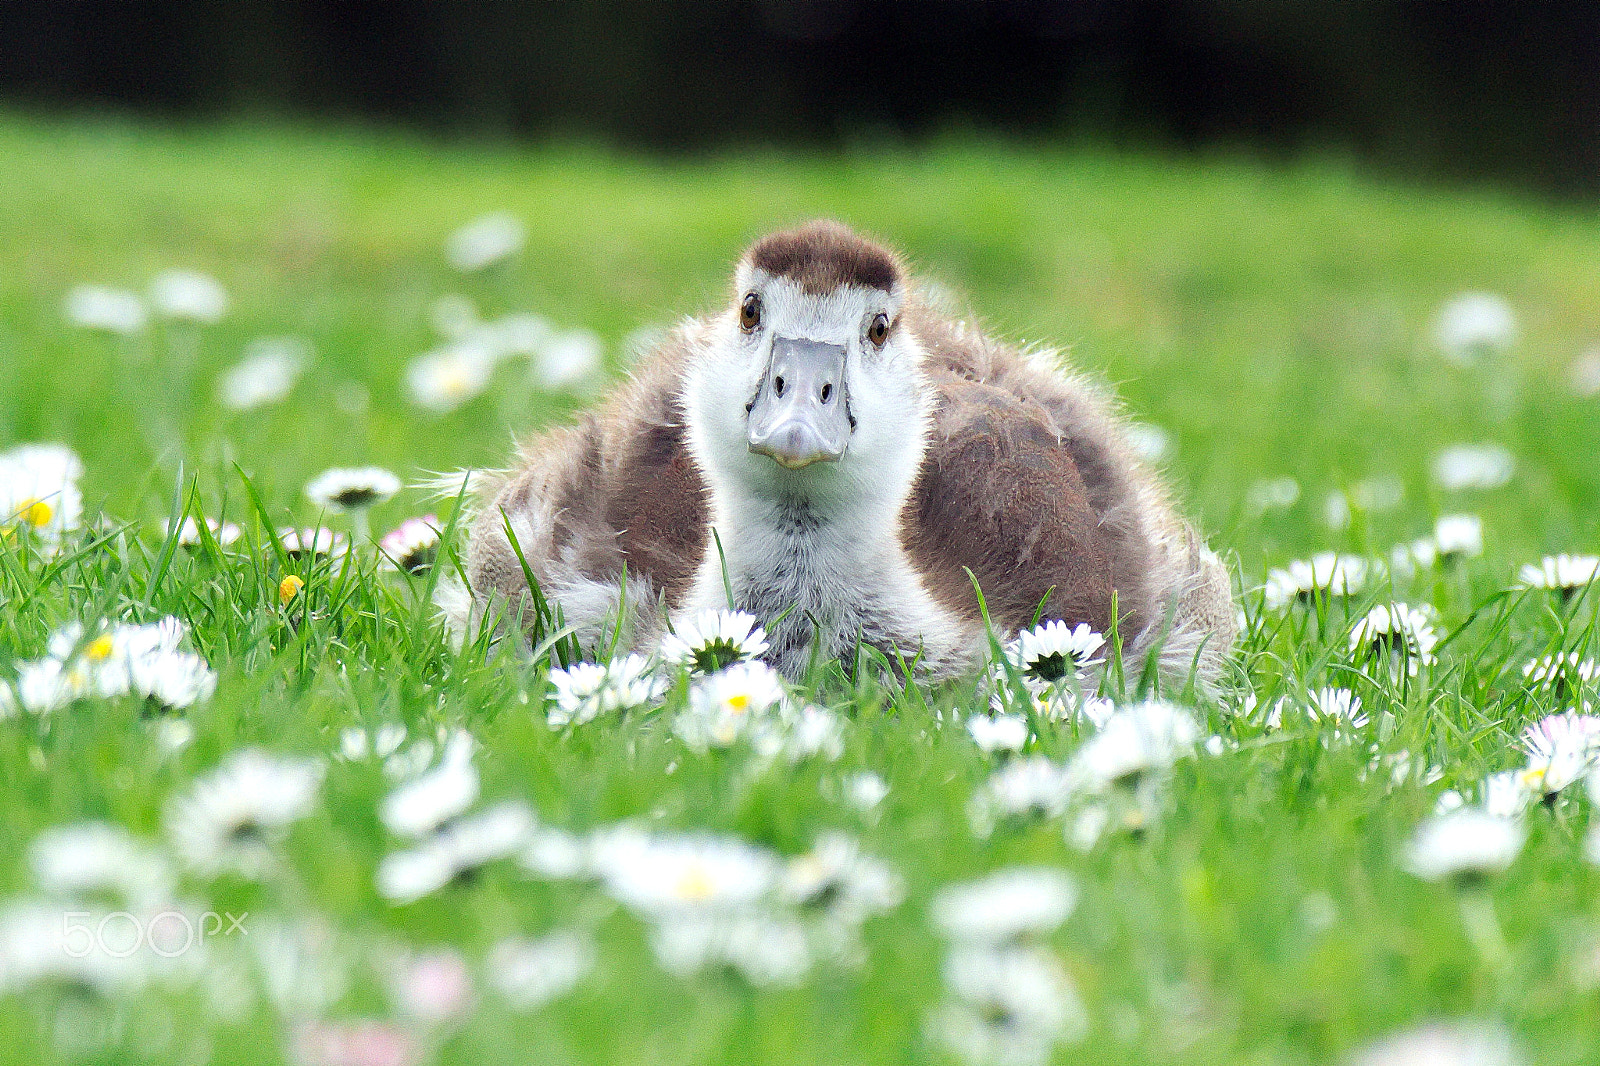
{"points": [[822, 256]]}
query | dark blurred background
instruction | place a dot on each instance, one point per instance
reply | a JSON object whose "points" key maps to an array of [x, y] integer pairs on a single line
{"points": [[1499, 90]]}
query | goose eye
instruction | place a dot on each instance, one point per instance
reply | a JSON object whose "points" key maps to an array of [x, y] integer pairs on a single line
{"points": [[750, 312], [878, 332]]}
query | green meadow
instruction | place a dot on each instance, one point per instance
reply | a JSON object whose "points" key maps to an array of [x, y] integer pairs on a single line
{"points": [[1257, 906]]}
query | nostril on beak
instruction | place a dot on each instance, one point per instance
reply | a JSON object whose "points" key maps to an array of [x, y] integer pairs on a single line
{"points": [[827, 392], [777, 385]]}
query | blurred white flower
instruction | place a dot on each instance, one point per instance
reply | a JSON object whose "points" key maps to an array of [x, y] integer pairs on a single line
{"points": [[1011, 1007], [1141, 739], [1563, 573], [1562, 750], [795, 735], [188, 295], [1002, 732], [584, 691], [459, 848], [653, 875], [711, 640], [1150, 443], [1443, 1044], [266, 375], [485, 241], [568, 357], [1326, 573], [39, 491], [1464, 844], [224, 533], [865, 790], [1562, 673], [1338, 707], [521, 334], [1009, 905], [1458, 536], [411, 546], [96, 858], [422, 805], [722, 707], [530, 973], [318, 541], [1272, 494], [429, 987], [111, 310], [1029, 786], [1585, 373], [1474, 324], [443, 380], [1473, 466], [230, 817], [767, 947], [1508, 794], [352, 489], [837, 877]]}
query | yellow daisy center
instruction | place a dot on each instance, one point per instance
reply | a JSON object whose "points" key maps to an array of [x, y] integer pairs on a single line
{"points": [[37, 513], [695, 884], [739, 702], [99, 648], [1533, 777], [289, 587]]}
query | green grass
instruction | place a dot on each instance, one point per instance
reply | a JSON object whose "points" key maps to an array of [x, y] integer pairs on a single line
{"points": [[1274, 321]]}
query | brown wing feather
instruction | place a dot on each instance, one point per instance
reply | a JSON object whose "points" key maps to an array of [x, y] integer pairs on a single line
{"points": [[999, 494]]}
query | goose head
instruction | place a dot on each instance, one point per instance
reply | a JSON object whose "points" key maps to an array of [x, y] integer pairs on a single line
{"points": [[807, 387]]}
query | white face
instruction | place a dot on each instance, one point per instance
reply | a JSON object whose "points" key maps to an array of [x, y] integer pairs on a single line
{"points": [[882, 392]]}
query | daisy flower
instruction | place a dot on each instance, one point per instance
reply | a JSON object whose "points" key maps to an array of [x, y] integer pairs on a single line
{"points": [[1473, 466], [39, 491], [1007, 906], [229, 819], [1561, 672], [100, 859], [443, 380], [1442, 1044], [362, 1042], [1458, 536], [108, 310], [835, 876], [1002, 732], [1054, 652], [712, 640], [1562, 749], [186, 294], [224, 533], [485, 241], [1326, 573], [1273, 494], [723, 706], [266, 375], [1508, 794], [530, 973], [456, 851], [352, 490], [1028, 786], [1464, 845], [1474, 324], [313, 542], [1010, 1006], [1396, 633], [422, 805], [865, 790], [584, 691], [798, 735], [413, 545], [1566, 574], [1135, 741], [653, 875], [1338, 706], [1150, 443], [766, 947]]}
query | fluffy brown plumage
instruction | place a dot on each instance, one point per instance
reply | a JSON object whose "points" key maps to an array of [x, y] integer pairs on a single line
{"points": [[1024, 478]]}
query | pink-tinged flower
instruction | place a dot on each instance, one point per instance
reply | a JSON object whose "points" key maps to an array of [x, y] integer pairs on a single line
{"points": [[431, 987], [1562, 749], [413, 545], [364, 1042]]}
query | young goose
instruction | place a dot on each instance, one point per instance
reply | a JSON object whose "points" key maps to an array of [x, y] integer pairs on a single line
{"points": [[835, 454]]}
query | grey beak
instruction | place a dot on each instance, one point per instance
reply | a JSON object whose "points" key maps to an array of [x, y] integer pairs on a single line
{"points": [[800, 414]]}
